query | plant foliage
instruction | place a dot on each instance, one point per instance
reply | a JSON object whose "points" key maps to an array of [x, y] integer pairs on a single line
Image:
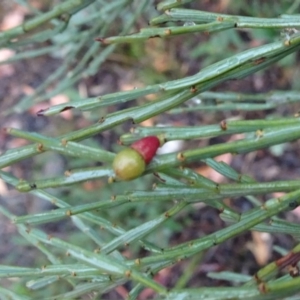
{"points": [[95, 261]]}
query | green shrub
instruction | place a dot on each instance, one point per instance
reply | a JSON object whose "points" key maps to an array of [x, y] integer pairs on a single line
{"points": [[113, 234]]}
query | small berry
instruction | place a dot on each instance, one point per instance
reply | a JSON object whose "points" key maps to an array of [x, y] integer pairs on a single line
{"points": [[131, 162], [128, 164]]}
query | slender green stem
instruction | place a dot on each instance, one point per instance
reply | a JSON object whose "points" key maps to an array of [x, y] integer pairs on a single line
{"points": [[197, 16]]}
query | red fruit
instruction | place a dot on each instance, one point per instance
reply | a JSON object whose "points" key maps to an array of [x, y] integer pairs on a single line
{"points": [[146, 147]]}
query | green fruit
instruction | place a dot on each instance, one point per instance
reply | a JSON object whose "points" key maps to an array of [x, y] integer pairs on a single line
{"points": [[128, 164]]}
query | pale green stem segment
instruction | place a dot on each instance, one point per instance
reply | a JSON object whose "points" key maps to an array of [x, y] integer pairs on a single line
{"points": [[188, 194], [167, 4], [272, 290], [266, 139], [67, 7], [248, 220], [199, 17], [237, 66], [196, 21], [170, 133]]}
